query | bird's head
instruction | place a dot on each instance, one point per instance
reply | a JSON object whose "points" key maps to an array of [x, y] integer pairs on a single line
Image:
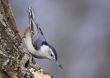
{"points": [[50, 53]]}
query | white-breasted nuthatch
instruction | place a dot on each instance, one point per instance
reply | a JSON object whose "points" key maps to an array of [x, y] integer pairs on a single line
{"points": [[35, 41]]}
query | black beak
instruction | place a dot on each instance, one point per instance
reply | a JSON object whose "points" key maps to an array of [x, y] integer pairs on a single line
{"points": [[59, 65]]}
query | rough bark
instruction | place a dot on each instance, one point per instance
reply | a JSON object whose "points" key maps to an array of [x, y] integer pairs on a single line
{"points": [[15, 61]]}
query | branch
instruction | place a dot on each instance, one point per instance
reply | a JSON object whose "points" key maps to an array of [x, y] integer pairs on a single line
{"points": [[15, 61]]}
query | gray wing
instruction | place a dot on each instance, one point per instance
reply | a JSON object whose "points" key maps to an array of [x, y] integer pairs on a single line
{"points": [[32, 24], [38, 38], [36, 32]]}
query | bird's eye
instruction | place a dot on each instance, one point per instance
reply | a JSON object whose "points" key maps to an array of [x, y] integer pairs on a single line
{"points": [[51, 55]]}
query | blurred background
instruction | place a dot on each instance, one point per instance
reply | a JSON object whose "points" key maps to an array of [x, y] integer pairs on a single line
{"points": [[78, 29]]}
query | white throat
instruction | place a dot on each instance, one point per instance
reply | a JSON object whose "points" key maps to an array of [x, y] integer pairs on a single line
{"points": [[44, 50]]}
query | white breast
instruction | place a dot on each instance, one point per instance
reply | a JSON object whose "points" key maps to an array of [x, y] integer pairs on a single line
{"points": [[42, 52], [29, 45]]}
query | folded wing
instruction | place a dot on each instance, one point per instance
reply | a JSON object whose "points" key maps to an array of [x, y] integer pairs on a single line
{"points": [[36, 34]]}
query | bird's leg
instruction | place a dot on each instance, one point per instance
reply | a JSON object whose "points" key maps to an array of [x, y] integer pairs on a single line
{"points": [[33, 60], [33, 64], [18, 39]]}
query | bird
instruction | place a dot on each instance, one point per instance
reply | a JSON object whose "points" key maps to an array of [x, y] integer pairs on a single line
{"points": [[36, 42]]}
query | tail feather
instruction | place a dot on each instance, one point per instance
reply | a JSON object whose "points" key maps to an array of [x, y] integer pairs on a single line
{"points": [[35, 29], [32, 24]]}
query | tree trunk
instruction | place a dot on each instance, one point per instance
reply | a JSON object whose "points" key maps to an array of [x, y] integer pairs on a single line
{"points": [[15, 61]]}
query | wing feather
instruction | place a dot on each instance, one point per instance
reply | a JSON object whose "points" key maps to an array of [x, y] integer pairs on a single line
{"points": [[36, 34]]}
